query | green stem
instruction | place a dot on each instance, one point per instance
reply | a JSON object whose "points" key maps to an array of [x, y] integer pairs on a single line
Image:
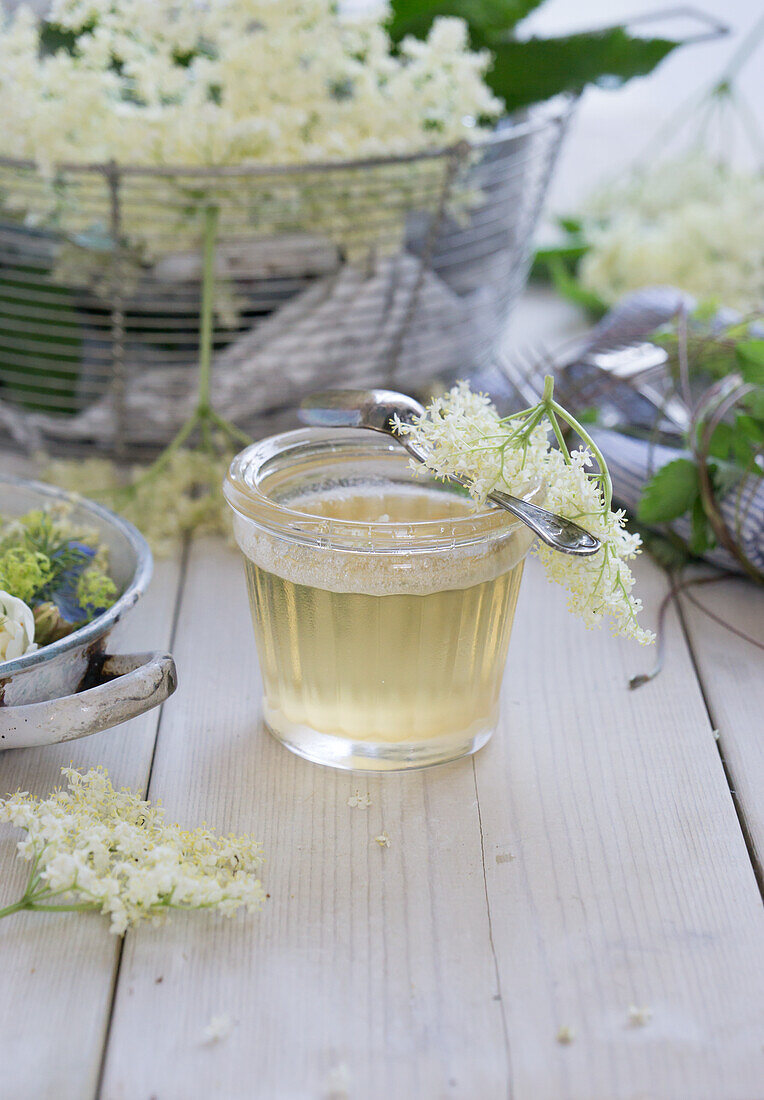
{"points": [[607, 484], [207, 308], [159, 464], [74, 907], [17, 906], [525, 429], [232, 431], [552, 407], [558, 435], [517, 415]]}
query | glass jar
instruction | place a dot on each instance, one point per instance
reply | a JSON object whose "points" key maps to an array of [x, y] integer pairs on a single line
{"points": [[382, 600]]}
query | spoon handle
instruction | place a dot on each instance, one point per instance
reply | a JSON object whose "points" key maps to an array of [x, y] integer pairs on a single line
{"points": [[556, 531], [561, 534]]}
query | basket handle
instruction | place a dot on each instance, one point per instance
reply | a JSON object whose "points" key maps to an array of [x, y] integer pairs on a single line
{"points": [[131, 683]]}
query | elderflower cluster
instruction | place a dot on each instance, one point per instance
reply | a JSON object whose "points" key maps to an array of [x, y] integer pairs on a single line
{"points": [[232, 82], [690, 223], [217, 83], [462, 433], [94, 847], [183, 498], [229, 82]]}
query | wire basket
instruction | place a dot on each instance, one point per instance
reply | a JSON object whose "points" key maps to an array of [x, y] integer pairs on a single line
{"points": [[384, 272]]}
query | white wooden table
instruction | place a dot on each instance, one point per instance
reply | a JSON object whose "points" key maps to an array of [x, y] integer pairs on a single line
{"points": [[601, 852]]}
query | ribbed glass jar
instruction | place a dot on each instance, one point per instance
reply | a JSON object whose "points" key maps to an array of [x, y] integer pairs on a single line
{"points": [[382, 601]]}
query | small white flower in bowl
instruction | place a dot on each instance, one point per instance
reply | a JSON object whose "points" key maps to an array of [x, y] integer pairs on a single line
{"points": [[16, 627]]}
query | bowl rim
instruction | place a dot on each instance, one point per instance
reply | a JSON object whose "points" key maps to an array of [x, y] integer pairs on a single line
{"points": [[104, 622]]}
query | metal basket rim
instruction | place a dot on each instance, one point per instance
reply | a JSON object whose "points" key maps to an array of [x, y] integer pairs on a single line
{"points": [[540, 115]]}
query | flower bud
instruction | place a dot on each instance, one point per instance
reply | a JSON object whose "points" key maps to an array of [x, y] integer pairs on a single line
{"points": [[49, 626]]}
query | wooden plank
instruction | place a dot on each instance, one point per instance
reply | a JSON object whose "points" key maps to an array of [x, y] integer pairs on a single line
{"points": [[616, 873], [732, 674], [57, 970], [370, 972], [630, 883]]}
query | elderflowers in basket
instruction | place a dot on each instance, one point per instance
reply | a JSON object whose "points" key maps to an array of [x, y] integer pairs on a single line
{"points": [[94, 848], [383, 597]]}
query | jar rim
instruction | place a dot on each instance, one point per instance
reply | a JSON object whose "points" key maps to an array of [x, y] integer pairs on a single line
{"points": [[244, 489]]}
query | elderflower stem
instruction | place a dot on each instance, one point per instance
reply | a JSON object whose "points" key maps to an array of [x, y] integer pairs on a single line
{"points": [[554, 409], [35, 900], [207, 305], [74, 907], [159, 464], [558, 435], [607, 484], [16, 907], [203, 416], [235, 434]]}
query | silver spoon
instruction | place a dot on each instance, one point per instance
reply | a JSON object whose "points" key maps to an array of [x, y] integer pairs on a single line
{"points": [[375, 409]]}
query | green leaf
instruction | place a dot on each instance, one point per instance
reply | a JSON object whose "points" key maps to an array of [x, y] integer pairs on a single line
{"points": [[725, 475], [670, 492], [54, 38], [750, 357], [722, 441], [749, 427], [535, 69], [538, 68], [574, 226], [484, 17], [567, 255], [569, 287], [755, 403]]}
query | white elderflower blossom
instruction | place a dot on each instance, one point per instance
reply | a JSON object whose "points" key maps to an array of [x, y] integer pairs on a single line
{"points": [[639, 1016], [235, 81], [691, 223], [16, 627], [362, 801], [219, 1028], [96, 848], [463, 434]]}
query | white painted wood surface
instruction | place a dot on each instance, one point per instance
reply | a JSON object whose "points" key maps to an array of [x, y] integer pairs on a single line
{"points": [[589, 859], [731, 672], [631, 884], [57, 972], [368, 963]]}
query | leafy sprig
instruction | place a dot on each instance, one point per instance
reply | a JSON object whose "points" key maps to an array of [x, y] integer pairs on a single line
{"points": [[720, 375], [526, 71]]}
